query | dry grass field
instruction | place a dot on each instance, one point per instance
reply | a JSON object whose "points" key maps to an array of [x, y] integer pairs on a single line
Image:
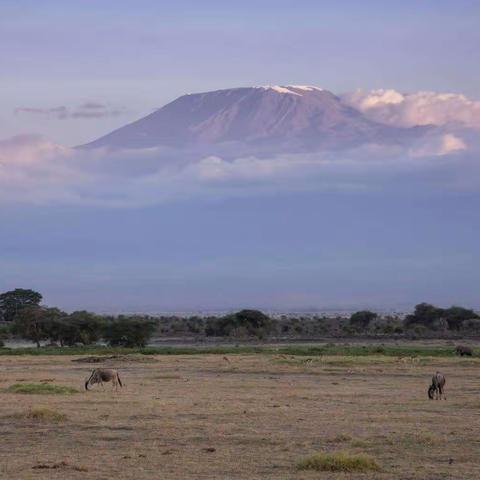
{"points": [[245, 417]]}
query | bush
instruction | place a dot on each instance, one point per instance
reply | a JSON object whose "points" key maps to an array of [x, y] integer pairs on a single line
{"points": [[129, 332], [338, 462]]}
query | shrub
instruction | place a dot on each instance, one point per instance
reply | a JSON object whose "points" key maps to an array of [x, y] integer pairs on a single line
{"points": [[40, 389], [338, 462]]}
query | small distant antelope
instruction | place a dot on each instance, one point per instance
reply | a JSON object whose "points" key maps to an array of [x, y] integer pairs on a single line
{"points": [[100, 375], [463, 351], [437, 387]]}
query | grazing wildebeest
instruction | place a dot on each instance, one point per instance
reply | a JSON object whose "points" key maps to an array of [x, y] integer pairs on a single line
{"points": [[100, 375], [437, 387], [462, 350]]}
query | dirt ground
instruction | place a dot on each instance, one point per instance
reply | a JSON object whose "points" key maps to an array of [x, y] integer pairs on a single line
{"points": [[241, 417]]}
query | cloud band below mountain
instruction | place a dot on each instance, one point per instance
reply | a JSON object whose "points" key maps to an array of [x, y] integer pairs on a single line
{"points": [[34, 170]]}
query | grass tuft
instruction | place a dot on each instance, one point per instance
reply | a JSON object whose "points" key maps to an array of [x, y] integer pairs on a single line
{"points": [[41, 415], [338, 462], [342, 437], [40, 389]]}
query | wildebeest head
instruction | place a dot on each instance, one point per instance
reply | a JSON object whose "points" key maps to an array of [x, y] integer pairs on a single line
{"points": [[431, 390], [91, 380]]}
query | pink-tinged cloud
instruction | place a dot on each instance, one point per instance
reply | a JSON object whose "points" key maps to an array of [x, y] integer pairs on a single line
{"points": [[419, 108]]}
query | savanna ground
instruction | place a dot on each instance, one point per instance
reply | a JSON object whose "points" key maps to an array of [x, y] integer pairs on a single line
{"points": [[246, 416]]}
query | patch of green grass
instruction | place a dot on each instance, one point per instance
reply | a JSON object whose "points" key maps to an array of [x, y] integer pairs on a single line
{"points": [[294, 350], [40, 389], [41, 415], [338, 462]]}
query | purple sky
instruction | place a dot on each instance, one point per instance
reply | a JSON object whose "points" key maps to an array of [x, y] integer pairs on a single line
{"points": [[373, 228], [135, 56]]}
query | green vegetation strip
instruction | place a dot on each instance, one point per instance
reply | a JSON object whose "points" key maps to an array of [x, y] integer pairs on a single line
{"points": [[338, 462], [40, 389], [302, 350]]}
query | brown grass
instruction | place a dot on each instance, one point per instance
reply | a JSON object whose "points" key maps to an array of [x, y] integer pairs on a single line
{"points": [[41, 415], [193, 417]]}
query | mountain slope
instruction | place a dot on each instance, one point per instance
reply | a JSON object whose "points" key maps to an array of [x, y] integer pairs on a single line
{"points": [[276, 118]]}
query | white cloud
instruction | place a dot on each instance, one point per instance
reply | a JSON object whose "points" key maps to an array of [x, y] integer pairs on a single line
{"points": [[34, 170], [420, 108], [438, 145]]}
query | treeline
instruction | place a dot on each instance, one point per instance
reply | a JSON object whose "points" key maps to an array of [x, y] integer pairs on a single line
{"points": [[24, 317], [426, 318]]}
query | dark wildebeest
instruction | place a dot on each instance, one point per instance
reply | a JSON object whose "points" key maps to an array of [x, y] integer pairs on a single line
{"points": [[100, 375], [462, 350], [437, 387]]}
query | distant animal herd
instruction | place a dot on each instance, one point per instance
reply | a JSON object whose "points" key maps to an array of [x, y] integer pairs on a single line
{"points": [[435, 391]]}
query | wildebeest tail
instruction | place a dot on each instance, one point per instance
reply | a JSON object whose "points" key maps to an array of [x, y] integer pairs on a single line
{"points": [[119, 381]]}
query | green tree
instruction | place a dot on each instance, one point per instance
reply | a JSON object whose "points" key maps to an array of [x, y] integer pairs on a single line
{"points": [[425, 314], [5, 332], [249, 322], [90, 326], [13, 301], [455, 316], [34, 323], [129, 332], [363, 318]]}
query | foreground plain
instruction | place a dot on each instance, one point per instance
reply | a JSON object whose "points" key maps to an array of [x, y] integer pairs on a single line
{"points": [[246, 416]]}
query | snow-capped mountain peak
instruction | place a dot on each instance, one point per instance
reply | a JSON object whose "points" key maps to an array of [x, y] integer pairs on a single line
{"points": [[275, 118]]}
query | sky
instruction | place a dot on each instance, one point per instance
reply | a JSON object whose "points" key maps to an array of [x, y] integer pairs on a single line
{"points": [[373, 228], [134, 57]]}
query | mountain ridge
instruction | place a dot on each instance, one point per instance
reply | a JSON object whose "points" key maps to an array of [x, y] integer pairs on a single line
{"points": [[277, 118]]}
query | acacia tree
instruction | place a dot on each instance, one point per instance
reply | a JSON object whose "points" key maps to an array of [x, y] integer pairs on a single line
{"points": [[425, 314], [455, 316], [129, 331], [35, 323], [250, 322], [89, 326], [363, 318], [13, 301]]}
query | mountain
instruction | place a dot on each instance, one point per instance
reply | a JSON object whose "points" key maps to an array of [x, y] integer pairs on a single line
{"points": [[293, 118]]}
